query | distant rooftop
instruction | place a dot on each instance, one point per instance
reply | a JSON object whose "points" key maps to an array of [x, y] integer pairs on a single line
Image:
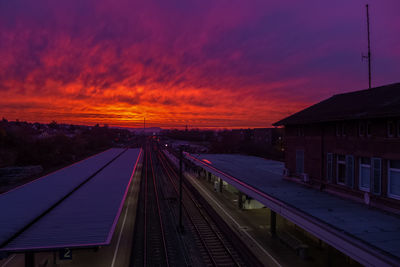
{"points": [[378, 102]]}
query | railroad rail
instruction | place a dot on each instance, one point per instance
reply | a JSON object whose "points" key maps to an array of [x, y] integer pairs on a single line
{"points": [[156, 239], [150, 248], [215, 248]]}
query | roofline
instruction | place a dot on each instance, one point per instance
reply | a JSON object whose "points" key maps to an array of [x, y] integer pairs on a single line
{"points": [[367, 89], [53, 172], [52, 248], [279, 123], [116, 219], [282, 121]]}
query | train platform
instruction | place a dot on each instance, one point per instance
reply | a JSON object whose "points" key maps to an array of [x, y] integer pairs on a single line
{"points": [[112, 254], [251, 225], [364, 234]]}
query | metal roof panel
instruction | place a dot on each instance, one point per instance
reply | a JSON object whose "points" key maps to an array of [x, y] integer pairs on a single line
{"points": [[85, 218]]}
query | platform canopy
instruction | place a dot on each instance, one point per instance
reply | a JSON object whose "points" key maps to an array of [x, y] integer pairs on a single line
{"points": [[77, 206], [369, 236]]}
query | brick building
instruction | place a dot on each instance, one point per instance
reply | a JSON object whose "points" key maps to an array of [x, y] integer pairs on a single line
{"points": [[349, 145]]}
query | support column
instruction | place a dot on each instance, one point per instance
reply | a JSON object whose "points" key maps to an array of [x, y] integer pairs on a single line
{"points": [[220, 185], [273, 223], [209, 177], [240, 199], [29, 259]]}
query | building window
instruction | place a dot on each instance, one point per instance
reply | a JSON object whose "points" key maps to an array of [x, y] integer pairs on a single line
{"points": [[349, 171], [338, 129], [368, 128], [398, 128], [300, 131], [390, 129], [344, 129], [394, 179], [329, 167], [365, 174], [341, 169], [361, 129], [341, 129], [299, 162], [376, 164]]}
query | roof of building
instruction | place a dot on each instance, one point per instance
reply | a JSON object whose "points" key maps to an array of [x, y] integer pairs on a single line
{"points": [[76, 206], [378, 102], [370, 235]]}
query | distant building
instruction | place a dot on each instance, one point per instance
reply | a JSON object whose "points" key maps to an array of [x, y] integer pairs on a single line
{"points": [[267, 136], [349, 144], [258, 136]]}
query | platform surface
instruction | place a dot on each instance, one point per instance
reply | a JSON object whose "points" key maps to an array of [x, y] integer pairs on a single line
{"points": [[373, 227]]}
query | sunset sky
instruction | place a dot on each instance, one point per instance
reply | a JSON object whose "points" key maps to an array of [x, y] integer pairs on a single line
{"points": [[205, 63]]}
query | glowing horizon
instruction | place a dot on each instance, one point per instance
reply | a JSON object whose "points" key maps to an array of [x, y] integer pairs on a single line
{"points": [[206, 64]]}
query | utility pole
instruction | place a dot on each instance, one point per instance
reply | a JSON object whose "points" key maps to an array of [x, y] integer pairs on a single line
{"points": [[369, 51]]}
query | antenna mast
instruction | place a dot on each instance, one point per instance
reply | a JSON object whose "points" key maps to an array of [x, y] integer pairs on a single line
{"points": [[369, 51]]}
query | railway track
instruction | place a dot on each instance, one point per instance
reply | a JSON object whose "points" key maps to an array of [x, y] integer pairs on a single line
{"points": [[150, 246], [156, 239], [215, 248]]}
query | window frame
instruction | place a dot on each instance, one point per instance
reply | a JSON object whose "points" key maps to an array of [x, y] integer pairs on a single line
{"points": [[303, 160], [329, 167], [360, 165], [388, 174], [361, 125], [373, 169], [300, 131], [349, 176], [337, 169], [388, 129], [398, 128], [368, 129], [344, 128], [338, 129]]}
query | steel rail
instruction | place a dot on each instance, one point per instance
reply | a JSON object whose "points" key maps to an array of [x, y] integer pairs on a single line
{"points": [[190, 218], [159, 211], [203, 216]]}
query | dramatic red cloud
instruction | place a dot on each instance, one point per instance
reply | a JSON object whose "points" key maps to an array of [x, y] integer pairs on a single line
{"points": [[197, 63]]}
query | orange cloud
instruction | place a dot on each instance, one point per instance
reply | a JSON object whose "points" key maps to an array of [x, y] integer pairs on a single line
{"points": [[205, 65]]}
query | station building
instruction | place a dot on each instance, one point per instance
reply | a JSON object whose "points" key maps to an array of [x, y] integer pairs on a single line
{"points": [[340, 177], [349, 145]]}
